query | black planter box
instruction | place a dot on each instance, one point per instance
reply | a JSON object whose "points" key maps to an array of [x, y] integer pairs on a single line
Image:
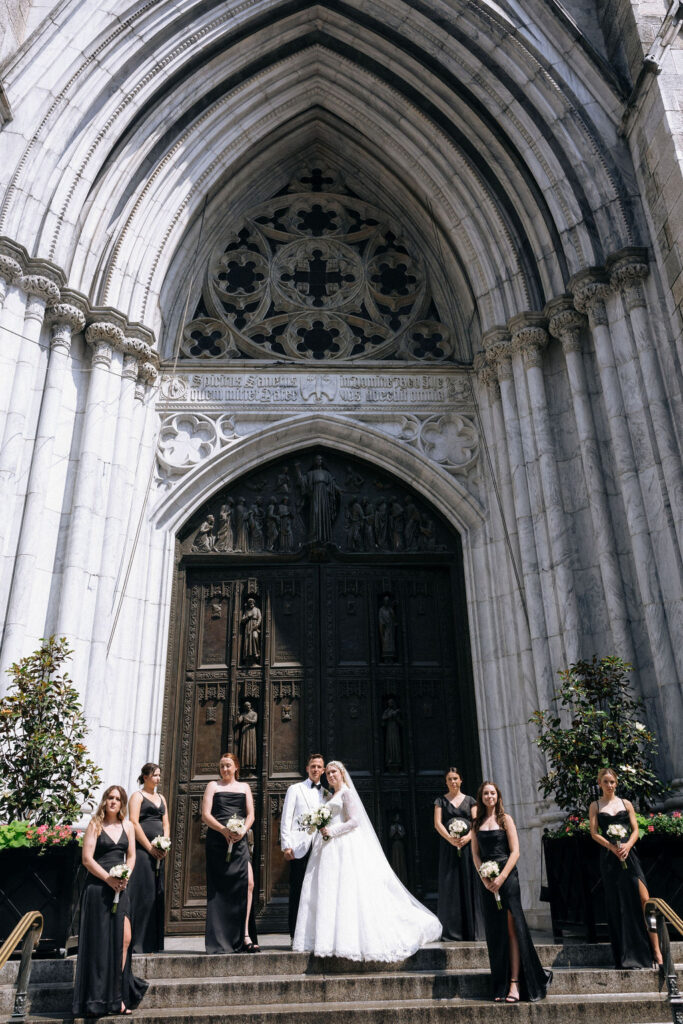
{"points": [[46, 881], [577, 902]]}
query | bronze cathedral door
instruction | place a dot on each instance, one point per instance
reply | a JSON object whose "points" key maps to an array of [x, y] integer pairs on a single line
{"points": [[336, 626]]}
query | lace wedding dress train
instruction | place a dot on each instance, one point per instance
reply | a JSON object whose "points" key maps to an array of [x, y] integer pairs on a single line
{"points": [[352, 904]]}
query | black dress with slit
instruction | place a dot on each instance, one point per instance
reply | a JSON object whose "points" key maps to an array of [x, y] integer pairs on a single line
{"points": [[227, 880], [101, 984], [533, 979], [625, 921], [459, 901], [146, 887]]}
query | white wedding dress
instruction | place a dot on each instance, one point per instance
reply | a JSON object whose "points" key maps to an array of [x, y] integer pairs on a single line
{"points": [[352, 904]]}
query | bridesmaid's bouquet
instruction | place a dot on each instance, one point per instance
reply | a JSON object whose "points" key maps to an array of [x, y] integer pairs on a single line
{"points": [[234, 824], [313, 821], [458, 827], [618, 833], [488, 870], [121, 871], [161, 843]]}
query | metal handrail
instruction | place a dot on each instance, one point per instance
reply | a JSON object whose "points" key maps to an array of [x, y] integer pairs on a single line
{"points": [[658, 913], [29, 929]]}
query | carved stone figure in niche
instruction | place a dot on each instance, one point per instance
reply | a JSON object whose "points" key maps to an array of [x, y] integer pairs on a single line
{"points": [[225, 539], [368, 525], [216, 608], [241, 521], [427, 538], [204, 538], [382, 524], [272, 524], [286, 517], [354, 525], [412, 525], [387, 629], [256, 518], [320, 487], [391, 723], [396, 520], [245, 727], [397, 847], [251, 626]]}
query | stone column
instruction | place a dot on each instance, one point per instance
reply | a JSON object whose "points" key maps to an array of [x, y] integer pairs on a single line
{"points": [[566, 324], [530, 338], [626, 275], [499, 355], [117, 520], [65, 320], [79, 560], [39, 291], [10, 332], [590, 293]]}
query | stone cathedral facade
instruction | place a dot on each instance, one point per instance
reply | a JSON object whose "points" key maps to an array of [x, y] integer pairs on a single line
{"points": [[340, 387]]}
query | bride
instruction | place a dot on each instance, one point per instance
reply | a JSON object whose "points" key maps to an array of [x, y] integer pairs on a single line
{"points": [[352, 903]]}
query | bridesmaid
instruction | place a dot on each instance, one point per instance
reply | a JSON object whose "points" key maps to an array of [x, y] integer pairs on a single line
{"points": [[230, 924], [459, 904], [515, 968], [149, 817], [104, 980], [625, 888]]}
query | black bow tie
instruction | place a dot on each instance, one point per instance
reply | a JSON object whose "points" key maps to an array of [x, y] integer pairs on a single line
{"points": [[316, 785]]}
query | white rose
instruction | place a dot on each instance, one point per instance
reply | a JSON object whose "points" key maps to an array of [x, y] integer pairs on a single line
{"points": [[640, 727]]}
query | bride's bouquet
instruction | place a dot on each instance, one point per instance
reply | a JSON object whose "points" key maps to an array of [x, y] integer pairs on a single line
{"points": [[234, 824], [490, 869], [161, 843], [458, 827], [618, 833], [121, 871], [314, 821]]}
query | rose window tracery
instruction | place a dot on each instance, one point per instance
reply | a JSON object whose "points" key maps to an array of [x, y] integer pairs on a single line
{"points": [[316, 273]]}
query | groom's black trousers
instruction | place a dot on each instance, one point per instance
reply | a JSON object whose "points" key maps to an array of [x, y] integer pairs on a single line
{"points": [[297, 870]]}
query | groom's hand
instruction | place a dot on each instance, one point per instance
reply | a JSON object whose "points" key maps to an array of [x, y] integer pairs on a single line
{"points": [[289, 854]]}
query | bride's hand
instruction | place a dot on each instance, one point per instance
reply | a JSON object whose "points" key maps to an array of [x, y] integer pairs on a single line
{"points": [[325, 832]]}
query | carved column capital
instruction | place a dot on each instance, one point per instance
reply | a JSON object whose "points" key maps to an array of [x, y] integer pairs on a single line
{"points": [[65, 320], [487, 375], [103, 337], [40, 291], [627, 275], [565, 323], [498, 351], [590, 292], [135, 347], [529, 337], [149, 373], [10, 270]]}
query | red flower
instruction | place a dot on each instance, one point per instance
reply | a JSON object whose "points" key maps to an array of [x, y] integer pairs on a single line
{"points": [[42, 839], [650, 828], [676, 814]]}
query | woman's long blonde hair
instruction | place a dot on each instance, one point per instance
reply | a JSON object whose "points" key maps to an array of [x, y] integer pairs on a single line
{"points": [[97, 820]]}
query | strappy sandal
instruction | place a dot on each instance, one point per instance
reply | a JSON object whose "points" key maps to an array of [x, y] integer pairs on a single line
{"points": [[251, 947], [509, 998]]}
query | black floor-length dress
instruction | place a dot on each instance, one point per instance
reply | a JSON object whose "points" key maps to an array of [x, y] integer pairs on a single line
{"points": [[533, 979], [101, 985], [146, 887], [459, 902], [227, 881], [625, 921]]}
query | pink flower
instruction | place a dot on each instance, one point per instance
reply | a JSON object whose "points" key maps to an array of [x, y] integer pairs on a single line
{"points": [[42, 829], [42, 839], [676, 814], [650, 828]]}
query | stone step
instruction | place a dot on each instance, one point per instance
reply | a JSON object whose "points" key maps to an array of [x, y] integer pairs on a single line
{"points": [[399, 987]]}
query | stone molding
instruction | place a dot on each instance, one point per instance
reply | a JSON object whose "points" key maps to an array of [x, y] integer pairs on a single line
{"points": [[130, 368]]}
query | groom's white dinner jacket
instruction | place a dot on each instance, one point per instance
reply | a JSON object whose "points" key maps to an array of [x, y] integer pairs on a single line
{"points": [[301, 797]]}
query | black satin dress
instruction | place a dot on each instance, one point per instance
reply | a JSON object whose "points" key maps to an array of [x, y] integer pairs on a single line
{"points": [[101, 985], [625, 921], [459, 902], [533, 979], [146, 887], [227, 881]]}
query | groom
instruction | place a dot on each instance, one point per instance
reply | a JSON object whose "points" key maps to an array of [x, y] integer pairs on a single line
{"points": [[295, 843]]}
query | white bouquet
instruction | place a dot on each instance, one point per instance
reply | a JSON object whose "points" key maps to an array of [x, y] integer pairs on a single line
{"points": [[313, 821], [121, 871], [161, 843], [617, 833], [457, 828], [488, 870], [234, 824]]}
